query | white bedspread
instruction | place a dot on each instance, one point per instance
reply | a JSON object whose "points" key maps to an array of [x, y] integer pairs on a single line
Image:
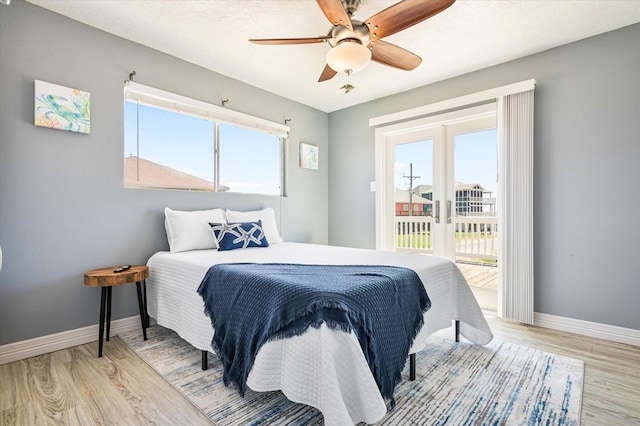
{"points": [[323, 368]]}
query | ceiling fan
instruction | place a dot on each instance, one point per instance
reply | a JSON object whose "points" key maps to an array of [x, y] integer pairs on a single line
{"points": [[355, 43]]}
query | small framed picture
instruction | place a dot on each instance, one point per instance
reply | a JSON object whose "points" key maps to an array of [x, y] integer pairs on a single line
{"points": [[63, 108], [308, 156]]}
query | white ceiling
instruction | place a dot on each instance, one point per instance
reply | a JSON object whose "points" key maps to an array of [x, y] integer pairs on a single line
{"points": [[470, 35]]}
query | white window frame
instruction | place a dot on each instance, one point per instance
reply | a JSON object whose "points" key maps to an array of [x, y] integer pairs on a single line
{"points": [[162, 99]]}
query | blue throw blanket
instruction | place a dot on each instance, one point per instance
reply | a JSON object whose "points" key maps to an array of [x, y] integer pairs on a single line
{"points": [[252, 303]]}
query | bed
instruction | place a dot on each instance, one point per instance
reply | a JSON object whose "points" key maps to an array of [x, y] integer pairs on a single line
{"points": [[323, 367]]}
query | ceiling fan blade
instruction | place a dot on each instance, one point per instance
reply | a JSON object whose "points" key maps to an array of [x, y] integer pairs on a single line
{"points": [[305, 40], [395, 56], [403, 14], [327, 74], [335, 13]]}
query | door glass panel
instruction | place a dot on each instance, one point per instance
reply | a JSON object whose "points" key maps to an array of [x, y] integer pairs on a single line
{"points": [[413, 195], [476, 220]]}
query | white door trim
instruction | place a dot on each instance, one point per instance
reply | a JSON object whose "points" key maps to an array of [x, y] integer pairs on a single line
{"points": [[454, 103]]}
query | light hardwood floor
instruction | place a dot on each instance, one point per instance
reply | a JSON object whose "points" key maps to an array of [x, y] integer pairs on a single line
{"points": [[75, 387]]}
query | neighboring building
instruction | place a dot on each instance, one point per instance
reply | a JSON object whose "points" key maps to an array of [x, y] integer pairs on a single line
{"points": [[414, 203], [471, 199], [425, 191], [474, 200], [141, 173]]}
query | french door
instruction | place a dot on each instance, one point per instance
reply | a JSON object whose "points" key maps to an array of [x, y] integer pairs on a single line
{"points": [[440, 194]]}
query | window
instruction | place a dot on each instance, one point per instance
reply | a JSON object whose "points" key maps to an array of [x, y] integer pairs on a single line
{"points": [[250, 161], [166, 149], [173, 142]]}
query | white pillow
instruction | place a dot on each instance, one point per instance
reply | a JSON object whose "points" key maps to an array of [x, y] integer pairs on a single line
{"points": [[266, 215], [191, 230]]}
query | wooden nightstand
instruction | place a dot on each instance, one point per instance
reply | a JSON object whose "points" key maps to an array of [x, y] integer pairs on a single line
{"points": [[107, 279]]}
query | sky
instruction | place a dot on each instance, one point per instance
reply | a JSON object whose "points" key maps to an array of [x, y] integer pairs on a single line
{"points": [[475, 161]]}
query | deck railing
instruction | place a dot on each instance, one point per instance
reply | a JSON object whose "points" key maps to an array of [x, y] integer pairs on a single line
{"points": [[476, 236], [413, 233]]}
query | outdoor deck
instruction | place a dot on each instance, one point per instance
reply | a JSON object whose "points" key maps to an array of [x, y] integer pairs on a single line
{"points": [[480, 275], [476, 245]]}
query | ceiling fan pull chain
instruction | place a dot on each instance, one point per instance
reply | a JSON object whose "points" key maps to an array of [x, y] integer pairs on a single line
{"points": [[347, 87]]}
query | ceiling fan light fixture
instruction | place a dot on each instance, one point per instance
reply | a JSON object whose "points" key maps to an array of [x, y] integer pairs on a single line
{"points": [[348, 55]]}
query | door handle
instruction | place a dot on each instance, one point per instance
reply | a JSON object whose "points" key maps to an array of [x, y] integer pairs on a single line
{"points": [[437, 214], [448, 211]]}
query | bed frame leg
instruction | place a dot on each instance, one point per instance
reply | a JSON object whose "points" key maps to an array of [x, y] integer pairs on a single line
{"points": [[205, 360], [412, 367], [412, 357]]}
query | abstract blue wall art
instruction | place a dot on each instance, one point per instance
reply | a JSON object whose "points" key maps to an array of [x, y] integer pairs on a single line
{"points": [[308, 156], [59, 107]]}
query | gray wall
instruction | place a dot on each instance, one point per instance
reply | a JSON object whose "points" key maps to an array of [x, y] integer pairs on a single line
{"points": [[63, 208], [586, 171]]}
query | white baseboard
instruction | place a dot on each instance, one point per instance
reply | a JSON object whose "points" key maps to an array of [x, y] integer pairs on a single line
{"points": [[587, 328], [66, 339]]}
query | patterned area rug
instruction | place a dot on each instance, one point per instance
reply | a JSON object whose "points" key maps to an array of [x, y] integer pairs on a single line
{"points": [[456, 384]]}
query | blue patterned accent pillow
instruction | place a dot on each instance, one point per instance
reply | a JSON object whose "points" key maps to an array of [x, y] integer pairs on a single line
{"points": [[239, 235]]}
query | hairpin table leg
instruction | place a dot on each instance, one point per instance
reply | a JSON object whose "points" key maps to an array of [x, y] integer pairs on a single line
{"points": [[103, 302], [109, 295], [142, 309]]}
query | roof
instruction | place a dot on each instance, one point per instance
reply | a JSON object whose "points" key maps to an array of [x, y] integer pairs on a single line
{"points": [[462, 186], [154, 175]]}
